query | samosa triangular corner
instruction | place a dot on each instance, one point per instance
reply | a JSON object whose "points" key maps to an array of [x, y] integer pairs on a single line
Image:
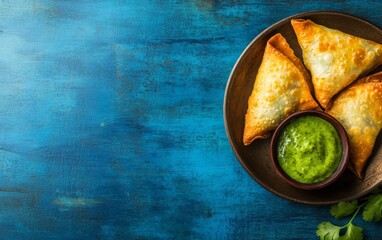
{"points": [[335, 59]]}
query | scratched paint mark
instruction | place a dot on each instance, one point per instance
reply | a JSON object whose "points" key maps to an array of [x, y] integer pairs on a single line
{"points": [[205, 5], [65, 203]]}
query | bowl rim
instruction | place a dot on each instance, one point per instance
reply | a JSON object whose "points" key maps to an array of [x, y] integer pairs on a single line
{"points": [[345, 150]]}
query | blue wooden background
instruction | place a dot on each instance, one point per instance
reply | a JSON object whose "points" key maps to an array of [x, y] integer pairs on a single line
{"points": [[111, 122]]}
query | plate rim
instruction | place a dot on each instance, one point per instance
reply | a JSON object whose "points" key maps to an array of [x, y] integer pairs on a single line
{"points": [[229, 82]]}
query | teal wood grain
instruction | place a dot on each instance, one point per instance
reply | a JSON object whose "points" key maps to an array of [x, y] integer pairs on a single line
{"points": [[111, 121]]}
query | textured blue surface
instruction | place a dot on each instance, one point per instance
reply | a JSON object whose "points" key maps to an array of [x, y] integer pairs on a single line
{"points": [[111, 121]]}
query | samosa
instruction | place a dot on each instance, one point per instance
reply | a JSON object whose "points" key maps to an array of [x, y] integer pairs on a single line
{"points": [[280, 89]]}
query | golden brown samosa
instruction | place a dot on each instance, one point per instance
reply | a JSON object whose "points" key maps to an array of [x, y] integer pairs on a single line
{"points": [[280, 89], [359, 109], [335, 59]]}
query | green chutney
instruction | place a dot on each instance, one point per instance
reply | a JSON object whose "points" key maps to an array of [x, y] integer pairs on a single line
{"points": [[309, 149]]}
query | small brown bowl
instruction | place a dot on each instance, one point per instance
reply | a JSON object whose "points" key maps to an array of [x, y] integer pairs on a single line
{"points": [[341, 166]]}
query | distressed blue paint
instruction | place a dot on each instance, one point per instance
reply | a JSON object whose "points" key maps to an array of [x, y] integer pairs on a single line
{"points": [[111, 121]]}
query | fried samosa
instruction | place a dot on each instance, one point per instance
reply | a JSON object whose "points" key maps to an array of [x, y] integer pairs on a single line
{"points": [[335, 59], [280, 89], [359, 109]]}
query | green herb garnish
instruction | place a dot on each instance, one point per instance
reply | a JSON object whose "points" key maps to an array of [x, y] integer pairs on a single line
{"points": [[372, 212]]}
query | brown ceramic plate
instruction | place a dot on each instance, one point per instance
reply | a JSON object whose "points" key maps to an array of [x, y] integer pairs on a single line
{"points": [[256, 158]]}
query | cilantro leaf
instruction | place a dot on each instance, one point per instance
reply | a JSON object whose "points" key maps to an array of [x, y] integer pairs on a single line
{"points": [[372, 211], [353, 232], [373, 208], [343, 209], [328, 231]]}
